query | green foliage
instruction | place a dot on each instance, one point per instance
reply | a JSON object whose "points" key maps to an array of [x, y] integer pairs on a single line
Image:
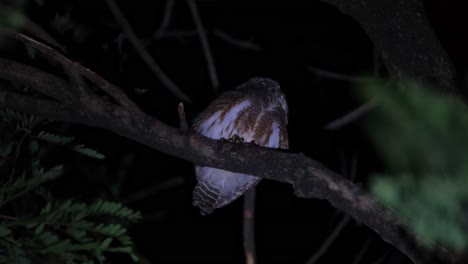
{"points": [[70, 231], [11, 18], [14, 188], [35, 227], [65, 141], [423, 138], [20, 121]]}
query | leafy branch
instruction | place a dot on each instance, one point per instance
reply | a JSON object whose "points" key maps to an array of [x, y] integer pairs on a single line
{"points": [[426, 151], [66, 141], [66, 231]]}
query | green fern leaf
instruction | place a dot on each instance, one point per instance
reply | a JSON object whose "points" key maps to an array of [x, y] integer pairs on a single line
{"points": [[87, 151], [54, 138]]}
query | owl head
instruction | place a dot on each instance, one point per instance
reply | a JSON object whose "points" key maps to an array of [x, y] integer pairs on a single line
{"points": [[266, 89]]}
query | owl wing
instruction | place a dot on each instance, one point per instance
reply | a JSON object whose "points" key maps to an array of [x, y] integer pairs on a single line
{"points": [[217, 188]]}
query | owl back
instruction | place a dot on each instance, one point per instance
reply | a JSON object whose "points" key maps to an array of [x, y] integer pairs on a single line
{"points": [[257, 112]]}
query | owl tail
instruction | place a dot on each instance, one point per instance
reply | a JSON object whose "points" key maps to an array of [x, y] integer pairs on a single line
{"points": [[205, 197]]}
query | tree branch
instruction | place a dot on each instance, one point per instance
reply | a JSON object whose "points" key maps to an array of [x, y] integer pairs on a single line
{"points": [[404, 38], [248, 226], [32, 105], [116, 93], [145, 56], [309, 178], [204, 43], [43, 82]]}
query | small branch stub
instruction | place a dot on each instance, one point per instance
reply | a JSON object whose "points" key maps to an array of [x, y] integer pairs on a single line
{"points": [[183, 125]]}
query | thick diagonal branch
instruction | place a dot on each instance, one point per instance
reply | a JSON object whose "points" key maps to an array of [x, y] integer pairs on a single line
{"points": [[45, 83], [116, 93], [309, 178]]}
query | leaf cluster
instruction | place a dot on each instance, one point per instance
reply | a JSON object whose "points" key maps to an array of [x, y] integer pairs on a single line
{"points": [[423, 138], [37, 228]]}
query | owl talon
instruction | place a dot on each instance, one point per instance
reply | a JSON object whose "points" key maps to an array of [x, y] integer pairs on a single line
{"points": [[236, 139]]}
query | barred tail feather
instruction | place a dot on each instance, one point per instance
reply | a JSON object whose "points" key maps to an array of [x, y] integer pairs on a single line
{"points": [[217, 187], [205, 197]]}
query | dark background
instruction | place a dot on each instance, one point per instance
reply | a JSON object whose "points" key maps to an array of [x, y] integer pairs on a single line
{"points": [[290, 36]]}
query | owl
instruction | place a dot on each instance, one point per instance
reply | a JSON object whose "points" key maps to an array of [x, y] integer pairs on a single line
{"points": [[255, 111]]}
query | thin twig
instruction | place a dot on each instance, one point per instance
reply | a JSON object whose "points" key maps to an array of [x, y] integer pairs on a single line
{"points": [[108, 87], [166, 19], [361, 252], [351, 116], [143, 53], [353, 166], [243, 44], [17, 152], [177, 34], [8, 217], [329, 241], [239, 43], [383, 257], [183, 124], [354, 114], [30, 26], [205, 44], [336, 76], [249, 227]]}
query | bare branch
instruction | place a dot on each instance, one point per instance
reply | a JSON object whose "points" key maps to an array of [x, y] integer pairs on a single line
{"points": [[351, 116], [243, 44], [145, 56], [40, 107], [109, 88], [249, 226], [43, 82], [239, 43], [177, 34], [309, 178], [357, 259], [401, 33], [166, 19], [336, 76], [183, 124], [80, 89], [204, 43], [325, 245]]}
